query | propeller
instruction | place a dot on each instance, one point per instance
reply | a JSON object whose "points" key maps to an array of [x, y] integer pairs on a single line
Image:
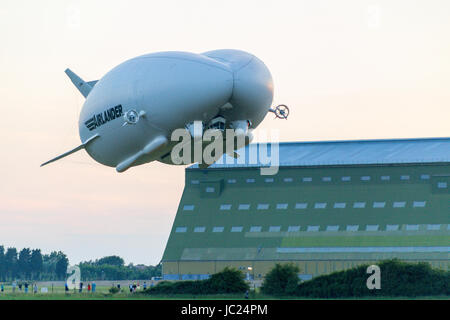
{"points": [[281, 111]]}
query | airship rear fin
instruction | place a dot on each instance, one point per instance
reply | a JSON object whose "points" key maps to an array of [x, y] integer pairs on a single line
{"points": [[82, 86], [65, 154]]}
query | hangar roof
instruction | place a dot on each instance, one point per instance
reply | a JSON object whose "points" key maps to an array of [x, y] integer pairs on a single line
{"points": [[343, 152]]}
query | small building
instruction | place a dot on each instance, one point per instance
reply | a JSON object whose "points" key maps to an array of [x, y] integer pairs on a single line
{"points": [[332, 205]]}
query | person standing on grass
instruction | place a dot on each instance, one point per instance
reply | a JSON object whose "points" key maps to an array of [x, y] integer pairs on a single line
{"points": [[35, 288], [93, 286], [89, 287], [14, 284], [26, 287], [2, 288], [81, 287]]}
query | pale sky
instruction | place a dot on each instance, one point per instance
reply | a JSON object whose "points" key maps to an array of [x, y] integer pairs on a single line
{"points": [[347, 70]]}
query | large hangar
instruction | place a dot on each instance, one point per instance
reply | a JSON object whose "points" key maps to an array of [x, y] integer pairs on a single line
{"points": [[331, 206]]}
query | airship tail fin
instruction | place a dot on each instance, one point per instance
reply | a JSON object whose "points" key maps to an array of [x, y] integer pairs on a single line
{"points": [[82, 86], [65, 154]]}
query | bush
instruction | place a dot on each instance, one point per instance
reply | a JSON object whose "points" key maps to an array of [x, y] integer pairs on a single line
{"points": [[397, 279], [226, 281], [281, 280], [114, 290]]}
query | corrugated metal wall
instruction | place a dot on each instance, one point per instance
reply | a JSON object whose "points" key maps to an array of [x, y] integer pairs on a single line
{"points": [[324, 218]]}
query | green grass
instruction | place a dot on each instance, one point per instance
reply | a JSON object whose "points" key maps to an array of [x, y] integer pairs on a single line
{"points": [[124, 296], [103, 294]]}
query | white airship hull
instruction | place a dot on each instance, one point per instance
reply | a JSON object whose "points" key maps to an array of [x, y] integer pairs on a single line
{"points": [[168, 90]]}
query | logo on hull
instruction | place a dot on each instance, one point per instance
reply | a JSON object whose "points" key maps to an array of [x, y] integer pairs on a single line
{"points": [[101, 118]]}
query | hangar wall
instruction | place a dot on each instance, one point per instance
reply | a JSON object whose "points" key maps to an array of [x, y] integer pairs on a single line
{"points": [[323, 217]]}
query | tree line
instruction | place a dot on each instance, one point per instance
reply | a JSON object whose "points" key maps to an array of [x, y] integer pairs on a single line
{"points": [[114, 268], [31, 264]]}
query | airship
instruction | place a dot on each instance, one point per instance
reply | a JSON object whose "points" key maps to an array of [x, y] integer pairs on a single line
{"points": [[130, 113]]}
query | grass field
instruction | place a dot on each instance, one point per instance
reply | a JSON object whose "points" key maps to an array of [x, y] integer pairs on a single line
{"points": [[58, 293], [102, 293]]}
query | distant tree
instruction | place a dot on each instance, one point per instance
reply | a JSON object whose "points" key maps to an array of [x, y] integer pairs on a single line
{"points": [[11, 263], [36, 263], [48, 265], [33, 265], [93, 271], [156, 271], [111, 260], [61, 265], [24, 263], [2, 264]]}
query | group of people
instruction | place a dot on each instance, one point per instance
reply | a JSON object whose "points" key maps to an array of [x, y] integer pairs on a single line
{"points": [[90, 287], [20, 285], [133, 286]]}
